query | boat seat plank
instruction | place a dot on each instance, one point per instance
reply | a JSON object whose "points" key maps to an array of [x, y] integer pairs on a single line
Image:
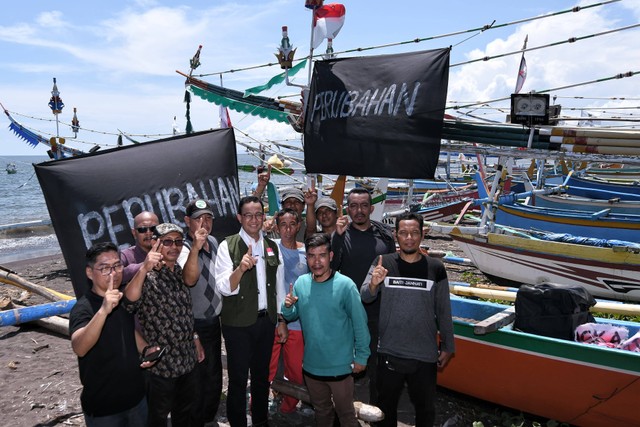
{"points": [[495, 322]]}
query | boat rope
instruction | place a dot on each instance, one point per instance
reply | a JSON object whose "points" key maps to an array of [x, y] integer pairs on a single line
{"points": [[429, 38], [146, 135], [613, 98], [25, 183], [554, 44], [603, 79]]}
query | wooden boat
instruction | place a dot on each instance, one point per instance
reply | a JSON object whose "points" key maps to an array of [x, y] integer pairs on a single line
{"points": [[399, 188], [570, 202], [565, 381], [607, 272], [602, 224], [629, 173], [442, 212], [585, 186]]}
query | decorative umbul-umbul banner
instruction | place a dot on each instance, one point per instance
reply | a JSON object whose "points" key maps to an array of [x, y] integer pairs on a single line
{"points": [[94, 198], [377, 116]]}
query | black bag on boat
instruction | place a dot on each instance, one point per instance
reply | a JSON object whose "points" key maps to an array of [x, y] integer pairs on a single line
{"points": [[552, 310]]}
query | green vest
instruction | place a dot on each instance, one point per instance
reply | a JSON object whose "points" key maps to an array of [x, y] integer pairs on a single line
{"points": [[242, 309]]}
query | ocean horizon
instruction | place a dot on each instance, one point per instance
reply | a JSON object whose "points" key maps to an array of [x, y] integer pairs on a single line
{"points": [[24, 202]]}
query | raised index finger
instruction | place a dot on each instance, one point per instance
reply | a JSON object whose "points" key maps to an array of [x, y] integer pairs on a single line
{"points": [[156, 246], [110, 283], [379, 260]]}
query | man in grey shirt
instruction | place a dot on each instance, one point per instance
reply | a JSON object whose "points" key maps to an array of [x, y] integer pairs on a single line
{"points": [[415, 307]]}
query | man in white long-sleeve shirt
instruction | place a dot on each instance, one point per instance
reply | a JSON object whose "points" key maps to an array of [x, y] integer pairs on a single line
{"points": [[248, 273]]}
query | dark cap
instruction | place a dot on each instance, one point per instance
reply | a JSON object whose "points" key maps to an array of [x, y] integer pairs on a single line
{"points": [[289, 192], [198, 207], [166, 228], [326, 202]]}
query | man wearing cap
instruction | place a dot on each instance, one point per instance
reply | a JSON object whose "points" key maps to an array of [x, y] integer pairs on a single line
{"points": [[326, 213], [249, 275], [198, 259], [144, 225], [162, 302], [294, 198]]}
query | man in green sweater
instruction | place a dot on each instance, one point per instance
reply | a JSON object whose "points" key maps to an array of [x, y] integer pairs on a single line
{"points": [[334, 325]]}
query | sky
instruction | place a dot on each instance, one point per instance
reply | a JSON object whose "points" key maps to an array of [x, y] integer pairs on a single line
{"points": [[115, 61]]}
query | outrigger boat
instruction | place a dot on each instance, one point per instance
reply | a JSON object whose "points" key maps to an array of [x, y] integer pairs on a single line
{"points": [[602, 224], [609, 271], [566, 381], [592, 187], [569, 202]]}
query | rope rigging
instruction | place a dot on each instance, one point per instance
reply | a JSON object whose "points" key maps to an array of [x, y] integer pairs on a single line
{"points": [[429, 38]]}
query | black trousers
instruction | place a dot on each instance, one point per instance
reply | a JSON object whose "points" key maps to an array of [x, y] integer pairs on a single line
{"points": [[421, 386], [209, 371], [173, 395], [248, 351]]}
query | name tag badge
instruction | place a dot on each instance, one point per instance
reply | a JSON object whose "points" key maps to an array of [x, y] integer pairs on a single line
{"points": [[270, 252], [409, 283]]}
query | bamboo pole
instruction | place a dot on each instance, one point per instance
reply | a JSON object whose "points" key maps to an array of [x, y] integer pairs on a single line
{"points": [[13, 279], [600, 307]]}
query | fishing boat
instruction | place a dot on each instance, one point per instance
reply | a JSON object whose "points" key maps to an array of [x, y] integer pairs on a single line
{"points": [[588, 186], [570, 202], [602, 224], [609, 271], [11, 168], [566, 381]]}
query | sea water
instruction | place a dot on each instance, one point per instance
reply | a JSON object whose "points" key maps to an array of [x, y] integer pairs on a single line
{"points": [[22, 201]]}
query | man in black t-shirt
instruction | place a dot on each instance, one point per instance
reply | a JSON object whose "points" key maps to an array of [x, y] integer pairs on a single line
{"points": [[103, 337], [355, 245]]}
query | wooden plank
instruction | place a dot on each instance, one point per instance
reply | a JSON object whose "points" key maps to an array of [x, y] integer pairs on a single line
{"points": [[495, 322]]}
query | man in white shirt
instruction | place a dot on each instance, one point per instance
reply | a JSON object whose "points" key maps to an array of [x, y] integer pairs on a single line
{"points": [[248, 274]]}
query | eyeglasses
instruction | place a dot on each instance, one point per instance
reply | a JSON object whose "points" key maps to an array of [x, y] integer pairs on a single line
{"points": [[146, 229], [107, 269], [168, 242], [404, 233], [249, 216]]}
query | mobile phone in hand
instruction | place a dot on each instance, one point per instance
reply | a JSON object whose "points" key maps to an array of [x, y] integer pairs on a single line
{"points": [[154, 355]]}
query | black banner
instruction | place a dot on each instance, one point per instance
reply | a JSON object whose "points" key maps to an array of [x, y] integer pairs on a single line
{"points": [[94, 198], [378, 116]]}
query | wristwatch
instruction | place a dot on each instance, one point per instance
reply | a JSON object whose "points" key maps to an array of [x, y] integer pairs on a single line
{"points": [[196, 336]]}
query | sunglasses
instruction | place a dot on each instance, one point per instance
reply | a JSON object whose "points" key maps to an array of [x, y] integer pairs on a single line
{"points": [[168, 242], [146, 229]]}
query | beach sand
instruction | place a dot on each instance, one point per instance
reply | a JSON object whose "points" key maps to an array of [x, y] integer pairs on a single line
{"points": [[40, 379]]}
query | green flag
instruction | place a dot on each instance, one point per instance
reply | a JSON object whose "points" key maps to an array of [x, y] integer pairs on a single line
{"points": [[275, 80]]}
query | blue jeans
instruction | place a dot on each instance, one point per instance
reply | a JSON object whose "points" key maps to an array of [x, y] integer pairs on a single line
{"points": [[134, 417]]}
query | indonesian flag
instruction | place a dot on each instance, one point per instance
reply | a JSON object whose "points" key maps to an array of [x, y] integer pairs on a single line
{"points": [[522, 74], [225, 120], [327, 22]]}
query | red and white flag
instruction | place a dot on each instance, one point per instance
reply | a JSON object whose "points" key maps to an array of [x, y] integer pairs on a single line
{"points": [[225, 120], [327, 22], [522, 75]]}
